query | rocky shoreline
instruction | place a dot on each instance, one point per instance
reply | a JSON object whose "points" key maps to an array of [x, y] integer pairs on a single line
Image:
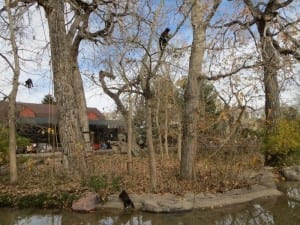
{"points": [[263, 181], [168, 203]]}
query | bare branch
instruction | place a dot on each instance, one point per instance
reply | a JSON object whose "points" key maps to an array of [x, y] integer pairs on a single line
{"points": [[278, 5], [220, 76], [8, 62], [286, 51], [254, 10]]}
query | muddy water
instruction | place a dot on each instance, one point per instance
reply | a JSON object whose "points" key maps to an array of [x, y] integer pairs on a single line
{"points": [[284, 210]]}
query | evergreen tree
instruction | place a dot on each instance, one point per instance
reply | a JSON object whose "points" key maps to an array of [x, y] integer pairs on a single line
{"points": [[49, 99]]}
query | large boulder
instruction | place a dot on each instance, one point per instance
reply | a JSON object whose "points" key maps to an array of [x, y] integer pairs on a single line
{"points": [[87, 203], [166, 203], [291, 173]]}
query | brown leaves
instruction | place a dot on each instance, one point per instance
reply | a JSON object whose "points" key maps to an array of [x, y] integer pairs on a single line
{"points": [[217, 175]]}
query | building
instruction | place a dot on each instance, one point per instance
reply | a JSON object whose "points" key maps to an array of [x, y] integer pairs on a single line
{"points": [[39, 123]]}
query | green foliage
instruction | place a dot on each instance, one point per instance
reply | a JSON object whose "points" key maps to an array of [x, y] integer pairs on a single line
{"points": [[43, 200], [97, 183], [282, 143], [289, 113], [116, 183], [49, 99], [4, 143], [33, 201], [209, 94], [6, 201], [62, 200]]}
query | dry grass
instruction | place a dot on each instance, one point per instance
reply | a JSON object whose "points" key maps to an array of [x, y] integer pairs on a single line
{"points": [[217, 174]]}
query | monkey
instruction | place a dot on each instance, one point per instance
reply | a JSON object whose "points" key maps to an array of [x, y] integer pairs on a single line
{"points": [[163, 39], [28, 83], [126, 200]]}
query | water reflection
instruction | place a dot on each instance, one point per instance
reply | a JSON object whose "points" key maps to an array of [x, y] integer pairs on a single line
{"points": [[255, 215], [284, 210]]}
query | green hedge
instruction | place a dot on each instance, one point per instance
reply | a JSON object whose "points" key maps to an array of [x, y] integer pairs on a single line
{"points": [[281, 145], [39, 200]]}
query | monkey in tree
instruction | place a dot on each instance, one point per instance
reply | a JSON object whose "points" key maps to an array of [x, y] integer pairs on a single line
{"points": [[163, 39], [28, 83]]}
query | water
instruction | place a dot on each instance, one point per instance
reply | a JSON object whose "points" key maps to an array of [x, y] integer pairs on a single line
{"points": [[284, 210]]}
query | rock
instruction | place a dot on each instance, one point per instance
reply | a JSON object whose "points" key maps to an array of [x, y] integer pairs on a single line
{"points": [[294, 193], [113, 202], [291, 173], [87, 203], [166, 203], [267, 178]]}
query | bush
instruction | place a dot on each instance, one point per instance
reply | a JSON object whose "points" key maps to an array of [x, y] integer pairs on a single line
{"points": [[34, 201], [4, 144], [116, 183], [65, 198], [43, 200], [97, 183], [282, 143], [6, 201]]}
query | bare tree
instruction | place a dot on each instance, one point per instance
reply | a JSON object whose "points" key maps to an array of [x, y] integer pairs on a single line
{"points": [[201, 16], [15, 67], [68, 85], [276, 44], [147, 65]]}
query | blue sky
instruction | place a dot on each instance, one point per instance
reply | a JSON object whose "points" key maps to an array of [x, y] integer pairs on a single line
{"points": [[35, 38]]}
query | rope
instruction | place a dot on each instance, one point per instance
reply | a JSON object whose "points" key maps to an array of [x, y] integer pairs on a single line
{"points": [[51, 129]]}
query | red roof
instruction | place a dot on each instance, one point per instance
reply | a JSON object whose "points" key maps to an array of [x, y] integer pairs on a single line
{"points": [[40, 110]]}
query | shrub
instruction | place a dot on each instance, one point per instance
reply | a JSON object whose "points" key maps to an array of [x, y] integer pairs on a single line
{"points": [[42, 200], [34, 201], [4, 144], [282, 143], [65, 198], [116, 183], [6, 201], [97, 183]]}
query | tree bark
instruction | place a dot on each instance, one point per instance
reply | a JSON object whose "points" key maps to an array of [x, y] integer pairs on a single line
{"points": [[270, 56], [12, 100], [271, 63], [158, 129], [179, 144], [191, 96], [200, 19], [70, 132], [166, 125], [129, 139], [81, 103], [152, 161]]}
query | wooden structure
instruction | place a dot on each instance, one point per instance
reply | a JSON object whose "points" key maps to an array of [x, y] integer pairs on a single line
{"points": [[39, 123]]}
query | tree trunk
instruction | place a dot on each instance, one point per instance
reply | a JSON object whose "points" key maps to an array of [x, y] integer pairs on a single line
{"points": [[71, 136], [158, 129], [166, 126], [271, 62], [129, 139], [81, 103], [152, 161], [191, 96], [12, 100], [179, 144], [120, 106]]}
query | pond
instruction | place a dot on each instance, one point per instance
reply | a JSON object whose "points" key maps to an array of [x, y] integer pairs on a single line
{"points": [[284, 210]]}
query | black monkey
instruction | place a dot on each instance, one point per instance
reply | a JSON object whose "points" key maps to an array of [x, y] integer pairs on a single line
{"points": [[28, 83], [126, 200], [163, 39]]}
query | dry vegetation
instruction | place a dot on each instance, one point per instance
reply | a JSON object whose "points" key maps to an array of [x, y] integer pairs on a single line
{"points": [[216, 174]]}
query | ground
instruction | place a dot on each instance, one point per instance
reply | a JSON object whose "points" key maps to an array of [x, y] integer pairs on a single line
{"points": [[108, 175]]}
